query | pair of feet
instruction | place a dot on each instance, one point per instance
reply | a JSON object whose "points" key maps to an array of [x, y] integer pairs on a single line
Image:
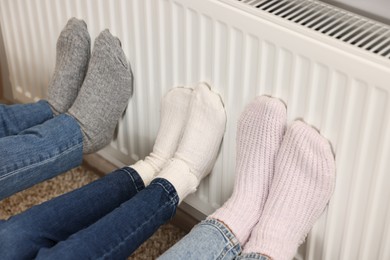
{"points": [[92, 88], [191, 130], [284, 179]]}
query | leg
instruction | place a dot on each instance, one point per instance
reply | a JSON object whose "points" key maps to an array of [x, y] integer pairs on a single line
{"points": [[208, 240], [122, 231], [16, 118], [53, 221], [39, 153]]}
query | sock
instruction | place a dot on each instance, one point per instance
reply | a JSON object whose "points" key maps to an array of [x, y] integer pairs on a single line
{"points": [[260, 131], [198, 149], [303, 182], [72, 56], [104, 94], [174, 108]]}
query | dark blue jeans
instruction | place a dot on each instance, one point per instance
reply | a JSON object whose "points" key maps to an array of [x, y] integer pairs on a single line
{"points": [[34, 146], [106, 219]]}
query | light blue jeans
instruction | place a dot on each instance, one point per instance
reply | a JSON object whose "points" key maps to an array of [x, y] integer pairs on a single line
{"points": [[209, 240], [35, 146]]}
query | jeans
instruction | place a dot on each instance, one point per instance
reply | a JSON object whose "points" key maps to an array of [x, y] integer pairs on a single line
{"points": [[106, 219], [34, 146], [209, 240]]}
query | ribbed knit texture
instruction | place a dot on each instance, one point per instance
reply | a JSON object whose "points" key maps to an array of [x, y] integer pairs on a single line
{"points": [[198, 149], [174, 115], [72, 55], [259, 133], [178, 173], [303, 182], [104, 94]]}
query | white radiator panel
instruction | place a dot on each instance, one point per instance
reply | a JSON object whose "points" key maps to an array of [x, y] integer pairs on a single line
{"points": [[342, 90]]}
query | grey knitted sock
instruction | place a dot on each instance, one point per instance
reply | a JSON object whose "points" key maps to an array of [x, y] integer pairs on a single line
{"points": [[104, 94], [73, 53]]}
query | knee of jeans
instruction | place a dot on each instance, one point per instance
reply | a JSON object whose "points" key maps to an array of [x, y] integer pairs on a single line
{"points": [[17, 241]]}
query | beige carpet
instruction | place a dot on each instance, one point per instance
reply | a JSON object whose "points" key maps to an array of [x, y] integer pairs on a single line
{"points": [[163, 239]]}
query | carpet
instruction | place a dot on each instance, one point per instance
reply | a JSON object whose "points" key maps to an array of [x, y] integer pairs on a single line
{"points": [[163, 239]]}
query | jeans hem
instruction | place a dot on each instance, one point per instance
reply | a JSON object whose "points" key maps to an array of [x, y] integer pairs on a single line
{"points": [[135, 177], [253, 256], [169, 189], [234, 244]]}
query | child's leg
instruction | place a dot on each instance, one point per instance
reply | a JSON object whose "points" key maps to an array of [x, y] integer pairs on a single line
{"points": [[45, 225]]}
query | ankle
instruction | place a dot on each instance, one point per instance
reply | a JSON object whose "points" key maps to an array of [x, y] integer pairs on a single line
{"points": [[179, 175]]}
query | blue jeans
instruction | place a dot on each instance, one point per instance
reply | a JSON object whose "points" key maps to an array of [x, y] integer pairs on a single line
{"points": [[209, 240], [106, 219], [35, 146]]}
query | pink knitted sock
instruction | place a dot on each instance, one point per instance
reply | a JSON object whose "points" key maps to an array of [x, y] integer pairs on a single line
{"points": [[260, 131], [303, 182]]}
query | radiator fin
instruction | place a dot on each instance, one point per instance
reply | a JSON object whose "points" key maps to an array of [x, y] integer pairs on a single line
{"points": [[345, 26]]}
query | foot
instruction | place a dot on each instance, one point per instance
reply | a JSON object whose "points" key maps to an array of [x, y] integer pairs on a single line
{"points": [[260, 132], [104, 94], [202, 137], [72, 56], [302, 186], [174, 115]]}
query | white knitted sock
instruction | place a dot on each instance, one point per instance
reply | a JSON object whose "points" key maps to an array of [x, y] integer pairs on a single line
{"points": [[198, 149], [174, 114], [260, 132], [303, 182]]}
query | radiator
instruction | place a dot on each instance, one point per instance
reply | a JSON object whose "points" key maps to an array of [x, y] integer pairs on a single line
{"points": [[331, 67]]}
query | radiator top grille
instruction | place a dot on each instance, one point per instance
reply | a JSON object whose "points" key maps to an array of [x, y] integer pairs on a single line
{"points": [[337, 23]]}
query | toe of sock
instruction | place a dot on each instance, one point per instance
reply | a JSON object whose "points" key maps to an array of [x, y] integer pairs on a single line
{"points": [[204, 94]]}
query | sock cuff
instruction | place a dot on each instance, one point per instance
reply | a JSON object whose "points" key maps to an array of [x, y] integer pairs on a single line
{"points": [[145, 171], [234, 213], [178, 174]]}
